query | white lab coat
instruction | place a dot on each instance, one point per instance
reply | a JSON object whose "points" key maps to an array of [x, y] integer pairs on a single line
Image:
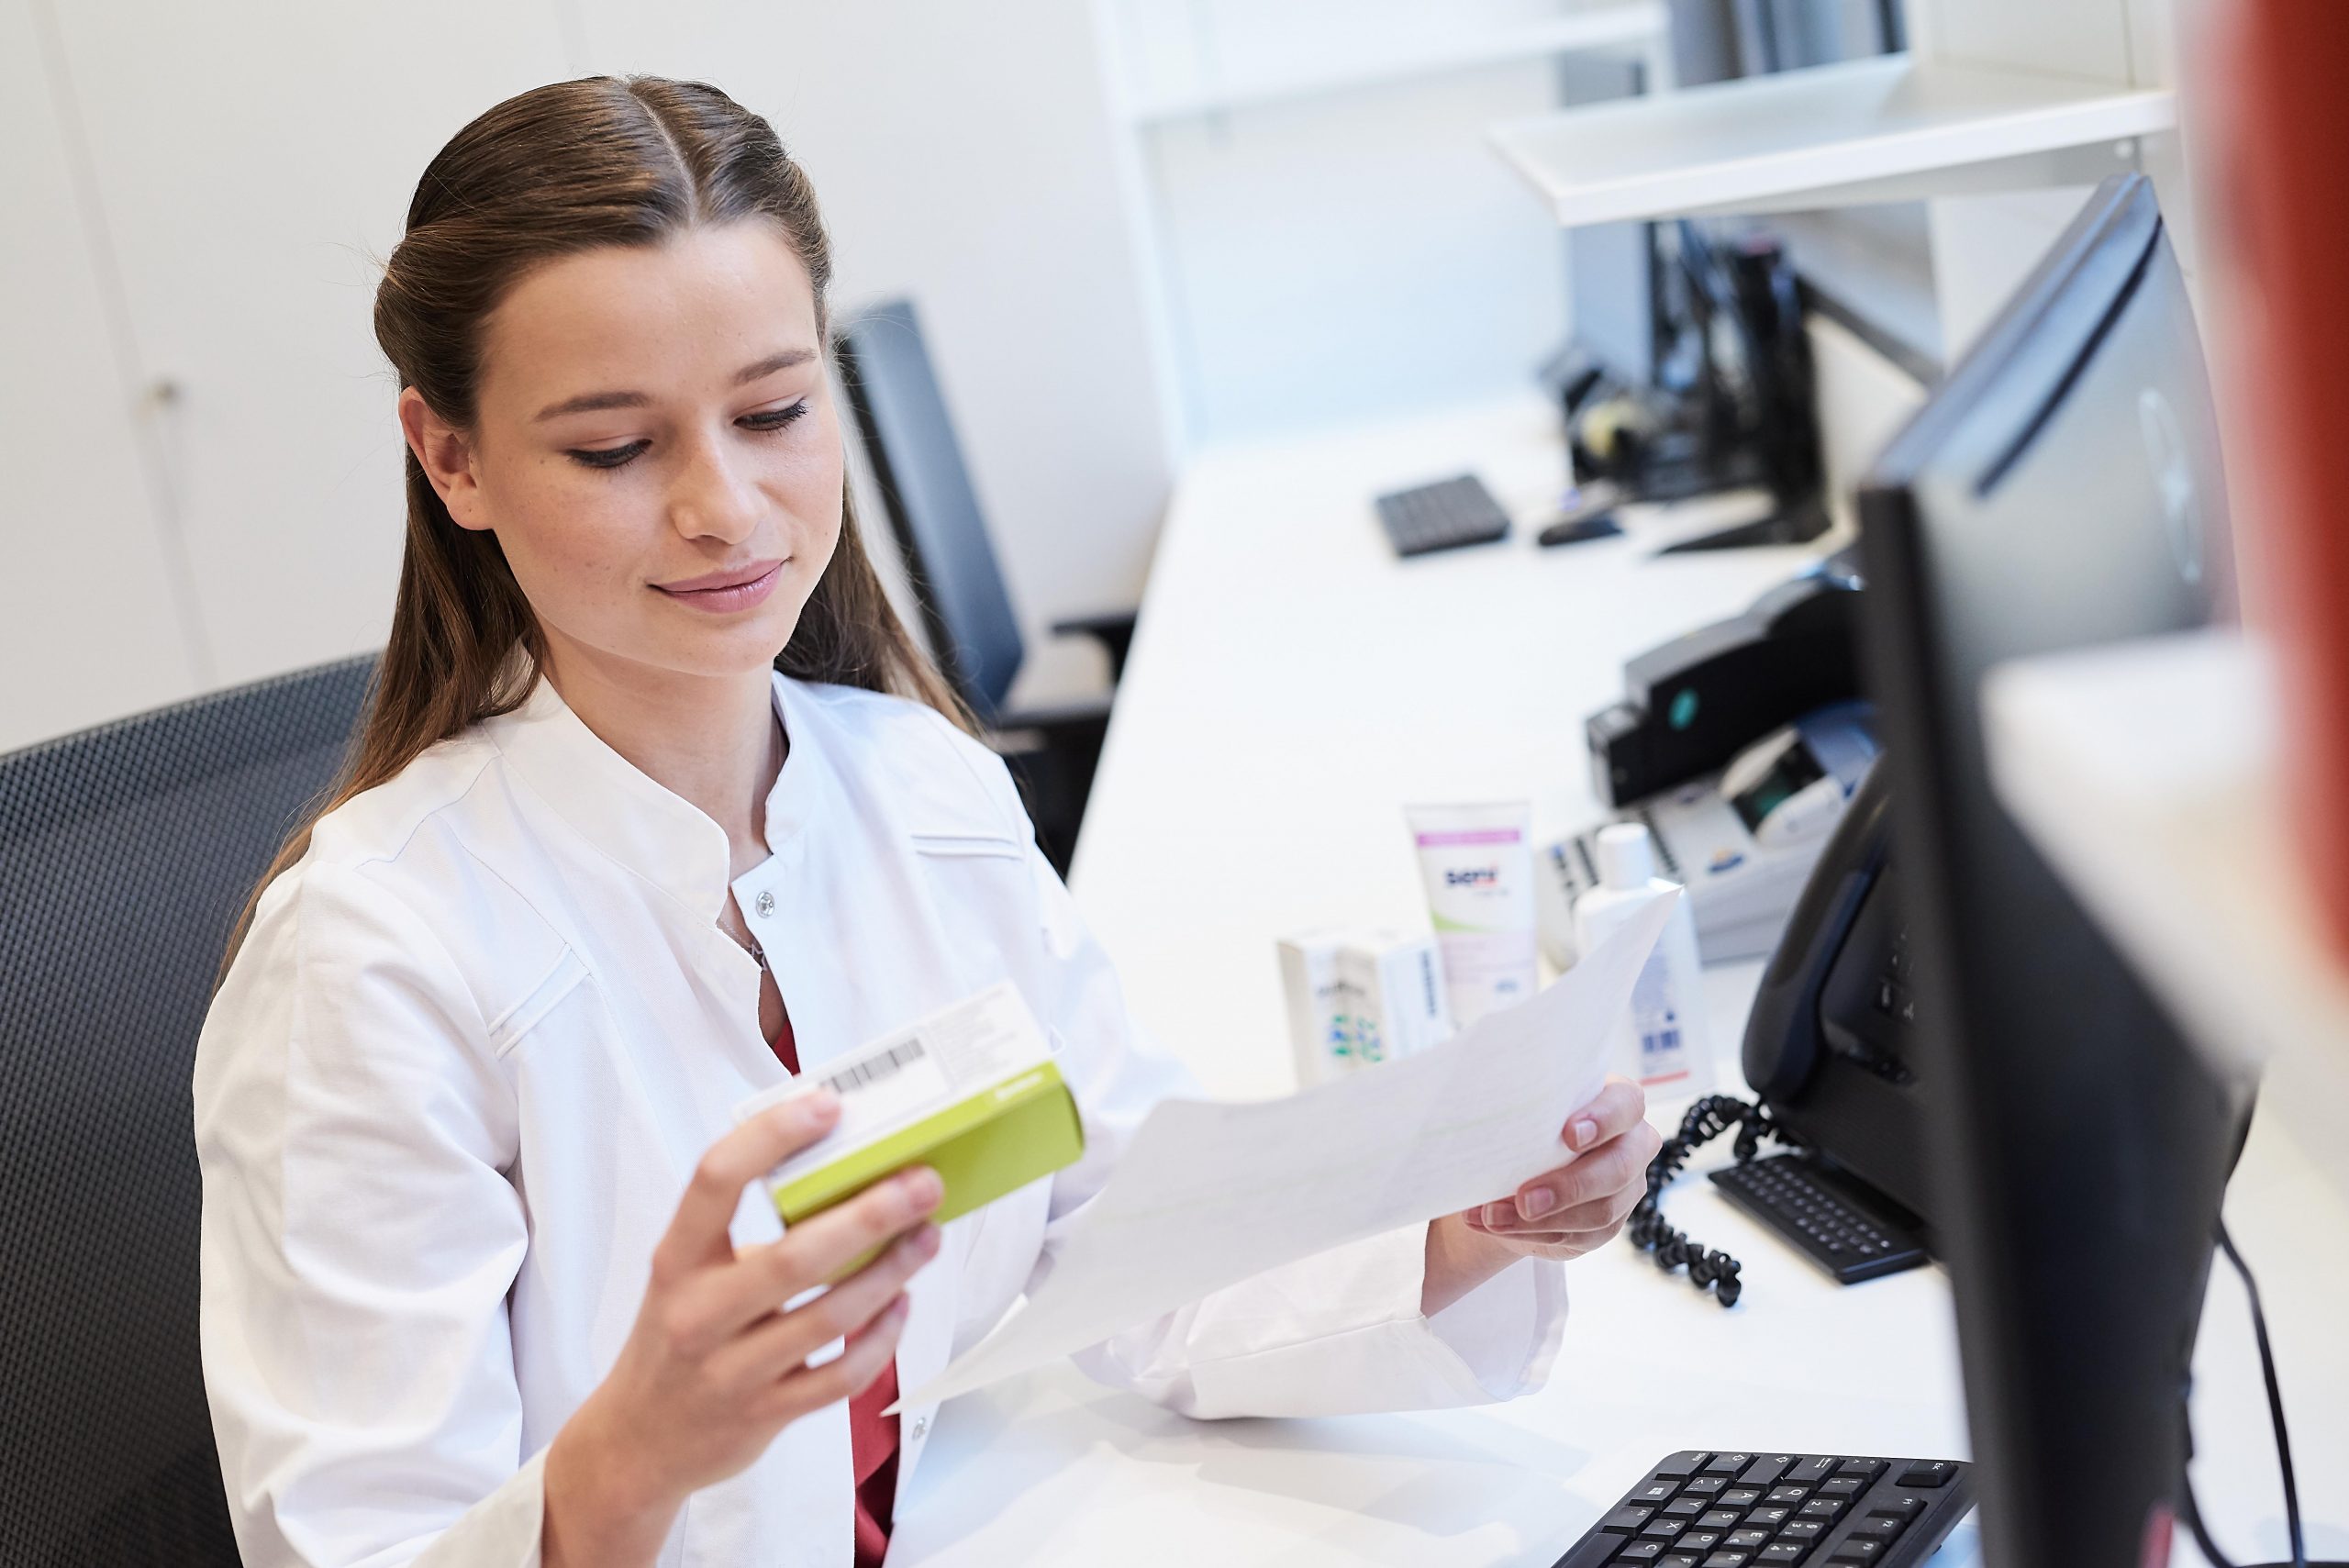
{"points": [[466, 1060]]}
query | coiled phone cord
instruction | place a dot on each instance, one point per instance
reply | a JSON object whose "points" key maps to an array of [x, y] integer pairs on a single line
{"points": [[1706, 1121]]}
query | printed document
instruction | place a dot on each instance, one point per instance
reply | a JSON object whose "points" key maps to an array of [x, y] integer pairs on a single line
{"points": [[1207, 1194]]}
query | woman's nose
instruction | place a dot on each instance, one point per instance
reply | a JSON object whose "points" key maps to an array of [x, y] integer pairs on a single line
{"points": [[710, 500]]}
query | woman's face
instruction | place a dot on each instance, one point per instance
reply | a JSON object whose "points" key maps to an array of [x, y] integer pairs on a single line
{"points": [[657, 451]]}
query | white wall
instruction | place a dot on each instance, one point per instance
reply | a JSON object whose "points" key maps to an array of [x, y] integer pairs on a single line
{"points": [[1355, 256], [197, 193], [1330, 234], [1984, 245]]}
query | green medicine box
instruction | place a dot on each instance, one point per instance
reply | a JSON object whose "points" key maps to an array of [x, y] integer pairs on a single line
{"points": [[970, 1090], [992, 1143]]}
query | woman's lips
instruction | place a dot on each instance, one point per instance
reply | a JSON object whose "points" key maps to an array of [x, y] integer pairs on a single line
{"points": [[730, 597]]}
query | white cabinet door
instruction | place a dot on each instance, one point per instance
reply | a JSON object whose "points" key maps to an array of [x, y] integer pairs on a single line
{"points": [[89, 627], [253, 163]]}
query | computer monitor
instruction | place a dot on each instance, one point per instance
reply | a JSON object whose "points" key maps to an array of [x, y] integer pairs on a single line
{"points": [[2061, 489], [1611, 268], [1612, 297]]}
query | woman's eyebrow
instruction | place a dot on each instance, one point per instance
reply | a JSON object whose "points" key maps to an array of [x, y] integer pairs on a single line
{"points": [[592, 402], [772, 364]]}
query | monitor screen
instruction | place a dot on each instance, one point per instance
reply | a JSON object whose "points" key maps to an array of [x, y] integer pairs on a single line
{"points": [[1612, 297]]}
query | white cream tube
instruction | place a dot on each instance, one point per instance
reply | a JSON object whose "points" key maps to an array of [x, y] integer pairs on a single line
{"points": [[1476, 862]]}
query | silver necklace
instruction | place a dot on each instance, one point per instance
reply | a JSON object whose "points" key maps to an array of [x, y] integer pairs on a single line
{"points": [[749, 943]]}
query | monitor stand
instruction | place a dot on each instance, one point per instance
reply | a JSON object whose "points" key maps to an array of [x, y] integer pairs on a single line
{"points": [[1796, 522]]}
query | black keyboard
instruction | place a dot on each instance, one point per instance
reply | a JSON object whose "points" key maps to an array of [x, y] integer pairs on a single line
{"points": [[1444, 516], [1829, 1220], [1771, 1510]]}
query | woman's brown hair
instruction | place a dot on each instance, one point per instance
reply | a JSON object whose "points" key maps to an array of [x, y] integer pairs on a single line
{"points": [[604, 160]]}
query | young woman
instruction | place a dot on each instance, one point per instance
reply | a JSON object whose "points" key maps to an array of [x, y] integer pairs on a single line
{"points": [[655, 803]]}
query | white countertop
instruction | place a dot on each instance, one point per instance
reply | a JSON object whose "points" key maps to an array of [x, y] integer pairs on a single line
{"points": [[1292, 685]]}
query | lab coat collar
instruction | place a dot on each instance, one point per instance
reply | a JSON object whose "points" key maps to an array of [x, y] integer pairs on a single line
{"points": [[639, 822]]}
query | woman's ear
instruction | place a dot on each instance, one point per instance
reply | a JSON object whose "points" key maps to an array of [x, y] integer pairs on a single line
{"points": [[446, 453]]}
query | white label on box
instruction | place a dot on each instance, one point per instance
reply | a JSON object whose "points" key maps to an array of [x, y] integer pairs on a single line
{"points": [[918, 1071]]}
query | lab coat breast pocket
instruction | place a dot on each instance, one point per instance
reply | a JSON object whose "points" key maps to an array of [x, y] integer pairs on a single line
{"points": [[979, 891]]}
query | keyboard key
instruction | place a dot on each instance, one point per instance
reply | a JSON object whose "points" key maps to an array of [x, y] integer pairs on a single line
{"points": [[1766, 1470], [1801, 1530], [1928, 1473], [1683, 1507], [1788, 1494], [1769, 1518], [1740, 1497], [1728, 1559], [1808, 1470], [1783, 1551], [1680, 1560], [1655, 1491], [1747, 1540], [1683, 1464], [1728, 1463], [1626, 1520], [1821, 1509], [1706, 1486], [1718, 1518], [1843, 1487], [1639, 1551], [1700, 1540], [1875, 1529], [1901, 1509], [1662, 1529], [1858, 1554], [1871, 1468]]}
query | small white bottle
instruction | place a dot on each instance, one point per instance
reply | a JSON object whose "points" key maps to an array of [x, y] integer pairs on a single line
{"points": [[1662, 1042]]}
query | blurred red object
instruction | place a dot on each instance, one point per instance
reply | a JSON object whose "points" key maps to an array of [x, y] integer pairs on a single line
{"points": [[2286, 188]]}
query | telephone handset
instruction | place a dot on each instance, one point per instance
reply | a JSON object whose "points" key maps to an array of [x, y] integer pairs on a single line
{"points": [[1783, 1033], [1827, 1050], [1829, 1043]]}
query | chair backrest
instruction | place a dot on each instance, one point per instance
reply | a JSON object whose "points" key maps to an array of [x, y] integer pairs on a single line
{"points": [[932, 509], [126, 853]]}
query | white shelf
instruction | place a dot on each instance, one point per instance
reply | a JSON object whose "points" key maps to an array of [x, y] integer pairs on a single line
{"points": [[2147, 776], [1635, 24], [1889, 128]]}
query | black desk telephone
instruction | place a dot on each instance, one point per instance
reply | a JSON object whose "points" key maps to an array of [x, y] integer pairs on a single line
{"points": [[1828, 1054]]}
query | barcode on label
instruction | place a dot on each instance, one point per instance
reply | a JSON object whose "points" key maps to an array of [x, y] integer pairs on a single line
{"points": [[874, 1069]]}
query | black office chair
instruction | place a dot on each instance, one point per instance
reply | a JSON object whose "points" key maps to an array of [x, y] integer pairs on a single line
{"points": [[126, 852], [967, 614]]}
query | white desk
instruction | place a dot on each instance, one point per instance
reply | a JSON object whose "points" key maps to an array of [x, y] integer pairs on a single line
{"points": [[1292, 684]]}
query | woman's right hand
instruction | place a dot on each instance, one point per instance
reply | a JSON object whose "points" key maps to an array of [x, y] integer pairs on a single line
{"points": [[715, 1366]]}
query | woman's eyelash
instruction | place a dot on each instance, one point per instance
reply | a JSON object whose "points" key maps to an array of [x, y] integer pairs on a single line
{"points": [[776, 418], [610, 458]]}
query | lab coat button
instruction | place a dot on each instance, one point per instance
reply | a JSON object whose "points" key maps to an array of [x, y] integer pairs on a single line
{"points": [[922, 1427], [764, 905]]}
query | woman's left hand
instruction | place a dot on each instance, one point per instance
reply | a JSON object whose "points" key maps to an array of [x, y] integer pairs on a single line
{"points": [[1579, 1206], [1573, 1208]]}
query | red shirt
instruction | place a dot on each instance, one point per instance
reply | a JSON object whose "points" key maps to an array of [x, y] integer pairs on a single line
{"points": [[873, 1437]]}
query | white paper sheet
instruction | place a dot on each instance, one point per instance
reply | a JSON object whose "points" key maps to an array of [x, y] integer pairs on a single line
{"points": [[1207, 1195]]}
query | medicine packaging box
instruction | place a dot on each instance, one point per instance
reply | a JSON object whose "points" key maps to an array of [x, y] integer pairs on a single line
{"points": [[970, 1090]]}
